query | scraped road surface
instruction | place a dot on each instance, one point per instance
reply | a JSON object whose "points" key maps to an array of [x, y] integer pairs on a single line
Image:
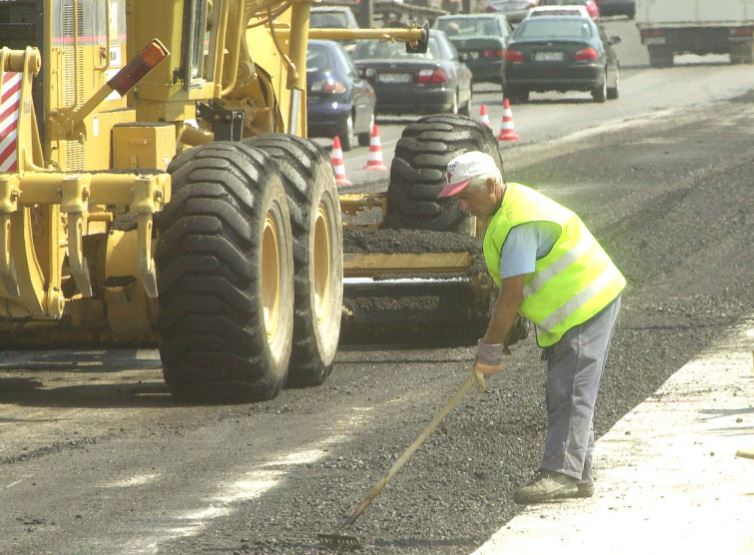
{"points": [[96, 457]]}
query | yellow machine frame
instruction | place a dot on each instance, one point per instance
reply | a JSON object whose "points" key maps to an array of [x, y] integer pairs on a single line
{"points": [[59, 246]]}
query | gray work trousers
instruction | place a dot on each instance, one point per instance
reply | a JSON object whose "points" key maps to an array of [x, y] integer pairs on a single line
{"points": [[574, 369]]}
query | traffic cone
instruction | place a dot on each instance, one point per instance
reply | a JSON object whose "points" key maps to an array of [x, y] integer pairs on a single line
{"points": [[374, 159], [484, 116], [338, 167], [507, 132]]}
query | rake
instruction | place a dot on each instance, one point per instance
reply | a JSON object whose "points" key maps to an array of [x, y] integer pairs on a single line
{"points": [[341, 542]]}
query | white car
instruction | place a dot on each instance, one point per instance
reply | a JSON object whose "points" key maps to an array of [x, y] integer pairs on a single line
{"points": [[558, 10]]}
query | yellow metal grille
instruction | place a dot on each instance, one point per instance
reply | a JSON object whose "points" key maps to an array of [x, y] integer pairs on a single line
{"points": [[73, 86]]}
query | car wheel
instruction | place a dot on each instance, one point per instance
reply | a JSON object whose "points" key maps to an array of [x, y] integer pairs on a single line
{"points": [[612, 92], [454, 105], [346, 134], [466, 110], [364, 138], [600, 93]]}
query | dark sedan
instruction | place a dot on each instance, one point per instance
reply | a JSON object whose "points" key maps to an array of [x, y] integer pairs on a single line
{"points": [[436, 81], [561, 53], [480, 40], [617, 7], [340, 102]]}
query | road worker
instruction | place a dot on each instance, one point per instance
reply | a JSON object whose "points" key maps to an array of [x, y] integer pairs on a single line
{"points": [[552, 271]]}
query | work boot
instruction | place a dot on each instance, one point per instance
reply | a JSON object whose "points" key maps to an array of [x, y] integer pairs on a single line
{"points": [[586, 488], [549, 486]]}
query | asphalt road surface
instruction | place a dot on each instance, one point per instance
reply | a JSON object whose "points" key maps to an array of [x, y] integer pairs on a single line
{"points": [[96, 457]]}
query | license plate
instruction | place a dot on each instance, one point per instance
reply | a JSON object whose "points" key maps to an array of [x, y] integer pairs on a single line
{"points": [[394, 77], [548, 57], [473, 55]]}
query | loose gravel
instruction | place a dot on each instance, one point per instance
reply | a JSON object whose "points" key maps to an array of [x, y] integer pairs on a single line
{"points": [[672, 202]]}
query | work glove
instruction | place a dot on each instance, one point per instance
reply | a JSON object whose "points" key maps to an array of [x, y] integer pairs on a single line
{"points": [[489, 360]]}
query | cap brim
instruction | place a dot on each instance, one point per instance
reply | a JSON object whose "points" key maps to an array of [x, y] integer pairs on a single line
{"points": [[453, 188]]}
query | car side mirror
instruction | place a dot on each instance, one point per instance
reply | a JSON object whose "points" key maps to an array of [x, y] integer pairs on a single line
{"points": [[615, 40]]}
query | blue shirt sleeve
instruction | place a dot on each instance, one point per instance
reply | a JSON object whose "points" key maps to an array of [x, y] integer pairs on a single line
{"points": [[524, 245]]}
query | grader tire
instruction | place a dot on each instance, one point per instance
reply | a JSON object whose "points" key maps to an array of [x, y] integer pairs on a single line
{"points": [[417, 173], [317, 254], [225, 276]]}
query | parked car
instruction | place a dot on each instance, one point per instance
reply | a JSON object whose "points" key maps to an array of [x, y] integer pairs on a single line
{"points": [[617, 7], [561, 53], [334, 17], [436, 81], [590, 5], [339, 101], [514, 10], [480, 40]]}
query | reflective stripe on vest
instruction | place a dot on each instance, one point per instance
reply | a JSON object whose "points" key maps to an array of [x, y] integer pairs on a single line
{"points": [[572, 283]]}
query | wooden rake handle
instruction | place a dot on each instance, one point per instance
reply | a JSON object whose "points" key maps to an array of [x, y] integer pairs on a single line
{"points": [[439, 417]]}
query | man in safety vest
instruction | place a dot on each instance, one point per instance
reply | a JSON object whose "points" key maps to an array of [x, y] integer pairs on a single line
{"points": [[552, 271]]}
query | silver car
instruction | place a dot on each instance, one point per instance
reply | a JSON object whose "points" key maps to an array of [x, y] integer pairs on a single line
{"points": [[514, 10]]}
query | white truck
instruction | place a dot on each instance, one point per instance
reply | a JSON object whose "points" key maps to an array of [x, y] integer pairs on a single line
{"points": [[670, 27]]}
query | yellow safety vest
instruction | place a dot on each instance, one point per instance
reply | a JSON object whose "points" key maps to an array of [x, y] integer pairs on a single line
{"points": [[570, 284]]}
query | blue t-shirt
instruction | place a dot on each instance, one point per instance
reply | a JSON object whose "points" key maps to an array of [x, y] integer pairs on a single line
{"points": [[526, 244]]}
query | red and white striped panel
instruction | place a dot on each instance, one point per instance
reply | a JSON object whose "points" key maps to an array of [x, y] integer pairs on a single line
{"points": [[10, 96]]}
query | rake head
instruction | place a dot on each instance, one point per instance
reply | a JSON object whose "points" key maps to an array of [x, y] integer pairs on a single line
{"points": [[338, 542]]}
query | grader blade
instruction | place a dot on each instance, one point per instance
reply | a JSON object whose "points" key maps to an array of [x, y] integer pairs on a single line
{"points": [[411, 286]]}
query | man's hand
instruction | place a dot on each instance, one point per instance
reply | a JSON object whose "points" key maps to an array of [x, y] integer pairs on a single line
{"points": [[489, 360]]}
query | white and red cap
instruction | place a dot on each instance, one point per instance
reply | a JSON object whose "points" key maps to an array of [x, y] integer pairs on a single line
{"points": [[465, 167]]}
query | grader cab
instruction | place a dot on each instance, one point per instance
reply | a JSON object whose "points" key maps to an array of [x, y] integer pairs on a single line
{"points": [[156, 186]]}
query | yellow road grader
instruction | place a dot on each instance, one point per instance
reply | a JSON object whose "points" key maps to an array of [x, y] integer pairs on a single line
{"points": [[156, 186]]}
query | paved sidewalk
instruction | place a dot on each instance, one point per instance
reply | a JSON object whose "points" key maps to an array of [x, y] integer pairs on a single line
{"points": [[667, 476]]}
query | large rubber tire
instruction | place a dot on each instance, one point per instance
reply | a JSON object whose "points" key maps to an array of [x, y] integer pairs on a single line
{"points": [[317, 254], [224, 261], [417, 172]]}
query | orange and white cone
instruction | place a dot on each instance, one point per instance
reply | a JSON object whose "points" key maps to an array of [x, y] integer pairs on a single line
{"points": [[336, 161], [507, 132], [374, 159], [484, 117]]}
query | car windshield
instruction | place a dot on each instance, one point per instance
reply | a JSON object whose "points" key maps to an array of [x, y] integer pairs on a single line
{"points": [[555, 28], [460, 27], [382, 50], [318, 59], [328, 20]]}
